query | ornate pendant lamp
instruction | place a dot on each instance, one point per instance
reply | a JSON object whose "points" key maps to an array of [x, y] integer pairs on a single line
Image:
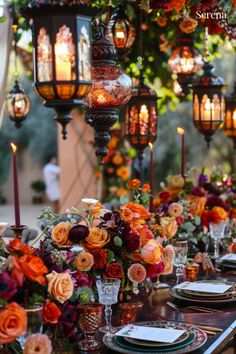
{"points": [[17, 102], [121, 32], [111, 89], [62, 54], [208, 101], [230, 116], [141, 118], [185, 61]]}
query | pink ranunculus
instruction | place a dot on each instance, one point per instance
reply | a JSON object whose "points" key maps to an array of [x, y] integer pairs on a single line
{"points": [[38, 344], [175, 209], [136, 273]]}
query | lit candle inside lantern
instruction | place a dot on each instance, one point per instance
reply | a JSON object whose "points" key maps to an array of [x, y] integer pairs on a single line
{"points": [[208, 111], [151, 178], [63, 62], [234, 117], [101, 98], [15, 183], [180, 131]]}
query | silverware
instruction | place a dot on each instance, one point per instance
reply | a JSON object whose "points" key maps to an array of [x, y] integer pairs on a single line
{"points": [[197, 308]]}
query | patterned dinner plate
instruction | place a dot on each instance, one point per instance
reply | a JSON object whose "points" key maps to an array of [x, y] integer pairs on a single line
{"points": [[204, 300], [199, 340]]}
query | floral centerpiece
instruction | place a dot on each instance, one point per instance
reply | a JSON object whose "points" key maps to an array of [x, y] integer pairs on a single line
{"points": [[119, 244], [195, 206]]}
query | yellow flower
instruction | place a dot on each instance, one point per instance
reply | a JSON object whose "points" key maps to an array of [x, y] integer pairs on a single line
{"points": [[123, 172]]}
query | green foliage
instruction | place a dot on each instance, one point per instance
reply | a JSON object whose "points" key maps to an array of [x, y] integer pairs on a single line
{"points": [[38, 186]]}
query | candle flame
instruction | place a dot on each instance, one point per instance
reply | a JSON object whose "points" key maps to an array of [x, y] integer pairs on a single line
{"points": [[14, 147], [180, 131]]}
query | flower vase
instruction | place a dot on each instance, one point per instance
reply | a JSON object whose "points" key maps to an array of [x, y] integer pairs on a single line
{"points": [[34, 323]]}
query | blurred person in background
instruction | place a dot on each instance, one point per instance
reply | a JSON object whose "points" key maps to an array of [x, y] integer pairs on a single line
{"points": [[51, 174]]}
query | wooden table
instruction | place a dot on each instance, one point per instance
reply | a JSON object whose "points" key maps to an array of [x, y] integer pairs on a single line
{"points": [[214, 344]]}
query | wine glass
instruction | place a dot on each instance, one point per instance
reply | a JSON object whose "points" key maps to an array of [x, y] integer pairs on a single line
{"points": [[180, 257], [217, 233], [108, 290], [90, 319]]}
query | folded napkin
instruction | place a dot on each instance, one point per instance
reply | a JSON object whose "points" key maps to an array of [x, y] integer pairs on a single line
{"points": [[153, 334], [231, 257], [216, 288]]}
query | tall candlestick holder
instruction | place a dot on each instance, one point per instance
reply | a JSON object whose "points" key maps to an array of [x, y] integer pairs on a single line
{"points": [[18, 230]]}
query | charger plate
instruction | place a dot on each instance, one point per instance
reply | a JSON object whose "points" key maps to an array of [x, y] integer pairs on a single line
{"points": [[199, 340], [204, 300]]}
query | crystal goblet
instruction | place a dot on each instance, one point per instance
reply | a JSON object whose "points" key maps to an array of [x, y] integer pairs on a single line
{"points": [[90, 319], [217, 233], [108, 290], [180, 257]]}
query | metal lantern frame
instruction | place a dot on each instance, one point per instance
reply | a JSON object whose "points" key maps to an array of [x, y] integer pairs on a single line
{"points": [[207, 96], [62, 55], [141, 133], [120, 21], [230, 116], [185, 46]]}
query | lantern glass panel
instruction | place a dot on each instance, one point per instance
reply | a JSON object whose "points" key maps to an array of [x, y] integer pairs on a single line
{"points": [[84, 51], [64, 55], [196, 108], [18, 105], [120, 34], [44, 52]]}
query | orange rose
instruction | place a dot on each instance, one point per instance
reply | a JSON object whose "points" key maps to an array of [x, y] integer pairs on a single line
{"points": [[117, 159], [51, 312], [151, 252], [137, 208], [60, 233], [123, 172], [221, 212], [97, 238], [196, 204], [146, 188], [16, 246], [13, 322], [188, 25], [32, 267], [121, 192], [60, 286], [145, 234], [84, 261], [133, 183], [126, 214]]}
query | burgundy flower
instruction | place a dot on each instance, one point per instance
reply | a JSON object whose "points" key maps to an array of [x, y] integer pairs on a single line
{"points": [[78, 233], [69, 318], [132, 241], [82, 279], [197, 192], [8, 286], [216, 201], [153, 270]]}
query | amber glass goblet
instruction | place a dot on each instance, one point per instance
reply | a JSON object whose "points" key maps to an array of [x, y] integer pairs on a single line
{"points": [[90, 319]]}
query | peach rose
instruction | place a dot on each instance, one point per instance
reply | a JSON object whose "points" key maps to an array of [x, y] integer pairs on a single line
{"points": [[60, 233], [196, 204], [176, 182], [126, 214], [13, 322], [60, 286], [169, 225], [136, 273], [84, 261], [97, 238], [145, 234], [138, 208], [175, 209], [151, 252]]}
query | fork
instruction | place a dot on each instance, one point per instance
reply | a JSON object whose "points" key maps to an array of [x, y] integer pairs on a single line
{"points": [[197, 308]]}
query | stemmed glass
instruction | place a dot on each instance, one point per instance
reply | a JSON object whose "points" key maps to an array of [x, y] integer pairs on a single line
{"points": [[90, 318], [180, 257], [217, 233], [108, 290]]}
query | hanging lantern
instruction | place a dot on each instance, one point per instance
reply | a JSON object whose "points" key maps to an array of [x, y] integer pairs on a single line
{"points": [[121, 32], [208, 102], [17, 104], [111, 89], [185, 61], [141, 118], [230, 116], [62, 54]]}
